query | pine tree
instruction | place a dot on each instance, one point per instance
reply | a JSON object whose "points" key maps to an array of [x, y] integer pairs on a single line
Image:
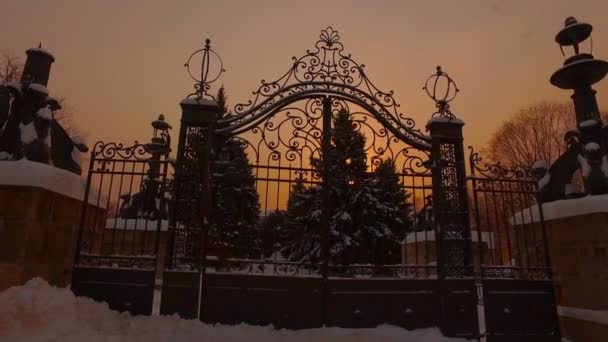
{"points": [[367, 212], [302, 241], [393, 213], [235, 208]]}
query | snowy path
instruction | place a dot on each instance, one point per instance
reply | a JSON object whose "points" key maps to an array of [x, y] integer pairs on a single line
{"points": [[39, 312]]}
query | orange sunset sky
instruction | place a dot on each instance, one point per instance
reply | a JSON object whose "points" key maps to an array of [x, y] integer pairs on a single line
{"points": [[120, 63]]}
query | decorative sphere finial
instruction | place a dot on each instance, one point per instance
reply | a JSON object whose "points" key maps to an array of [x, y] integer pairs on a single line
{"points": [[210, 61], [442, 89]]}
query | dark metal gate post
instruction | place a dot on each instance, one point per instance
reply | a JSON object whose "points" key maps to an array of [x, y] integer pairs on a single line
{"points": [[452, 229], [325, 146], [451, 217], [191, 204]]}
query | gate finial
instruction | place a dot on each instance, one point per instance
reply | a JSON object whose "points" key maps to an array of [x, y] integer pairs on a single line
{"points": [[203, 82], [442, 94]]}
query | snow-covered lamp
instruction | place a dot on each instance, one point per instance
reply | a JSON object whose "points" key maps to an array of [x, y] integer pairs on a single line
{"points": [[580, 70], [37, 67], [587, 149], [160, 135]]}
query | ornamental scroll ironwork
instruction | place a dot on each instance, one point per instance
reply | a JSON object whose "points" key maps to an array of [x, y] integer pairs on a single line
{"points": [[324, 70], [497, 170], [127, 193], [510, 221], [296, 136]]}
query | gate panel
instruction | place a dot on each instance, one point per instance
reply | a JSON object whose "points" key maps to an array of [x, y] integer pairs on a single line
{"points": [[283, 301], [520, 310], [512, 257], [367, 303], [117, 255], [123, 289], [459, 308]]}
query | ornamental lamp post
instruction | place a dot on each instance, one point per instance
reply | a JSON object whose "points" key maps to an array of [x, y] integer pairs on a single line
{"points": [[159, 145], [579, 72], [587, 145], [160, 135]]}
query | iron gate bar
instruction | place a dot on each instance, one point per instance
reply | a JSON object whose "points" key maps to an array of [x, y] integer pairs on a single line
{"points": [[106, 266], [517, 289], [330, 81]]}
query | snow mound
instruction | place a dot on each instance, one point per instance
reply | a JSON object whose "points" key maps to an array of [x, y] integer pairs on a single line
{"points": [[38, 175], [39, 88], [592, 146], [540, 164], [39, 312], [563, 208], [28, 132], [41, 51], [588, 123], [79, 140], [45, 113], [195, 101], [444, 119]]}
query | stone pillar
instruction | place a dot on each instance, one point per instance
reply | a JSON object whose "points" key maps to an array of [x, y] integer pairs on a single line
{"points": [[39, 222], [577, 234]]}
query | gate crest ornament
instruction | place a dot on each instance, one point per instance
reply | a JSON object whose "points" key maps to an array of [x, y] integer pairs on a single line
{"points": [[442, 94], [206, 75], [325, 70]]}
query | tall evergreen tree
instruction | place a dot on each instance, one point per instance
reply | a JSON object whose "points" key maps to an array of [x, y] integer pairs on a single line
{"points": [[235, 207], [367, 212], [302, 241]]}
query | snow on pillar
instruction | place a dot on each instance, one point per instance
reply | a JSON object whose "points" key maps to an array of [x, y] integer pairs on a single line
{"points": [[37, 67]]}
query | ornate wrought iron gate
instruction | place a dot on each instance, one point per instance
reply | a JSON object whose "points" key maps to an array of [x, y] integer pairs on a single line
{"points": [[124, 219], [422, 271], [286, 132], [512, 254]]}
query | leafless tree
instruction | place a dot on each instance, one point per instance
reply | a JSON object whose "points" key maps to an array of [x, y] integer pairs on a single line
{"points": [[10, 68], [533, 133]]}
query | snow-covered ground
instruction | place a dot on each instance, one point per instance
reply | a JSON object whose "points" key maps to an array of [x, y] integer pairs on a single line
{"points": [[39, 312]]}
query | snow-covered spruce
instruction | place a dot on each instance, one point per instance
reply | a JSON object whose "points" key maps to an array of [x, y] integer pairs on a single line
{"points": [[368, 212], [38, 312]]}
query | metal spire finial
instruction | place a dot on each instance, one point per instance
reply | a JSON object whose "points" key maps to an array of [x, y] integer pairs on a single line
{"points": [[203, 81], [442, 93]]}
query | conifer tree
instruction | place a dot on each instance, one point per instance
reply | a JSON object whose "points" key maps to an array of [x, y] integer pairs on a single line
{"points": [[367, 212], [235, 208]]}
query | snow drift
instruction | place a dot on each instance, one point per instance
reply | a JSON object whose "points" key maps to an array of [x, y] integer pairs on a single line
{"points": [[40, 312]]}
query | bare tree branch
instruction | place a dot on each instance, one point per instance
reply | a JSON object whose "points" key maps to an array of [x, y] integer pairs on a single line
{"points": [[534, 133], [10, 68]]}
